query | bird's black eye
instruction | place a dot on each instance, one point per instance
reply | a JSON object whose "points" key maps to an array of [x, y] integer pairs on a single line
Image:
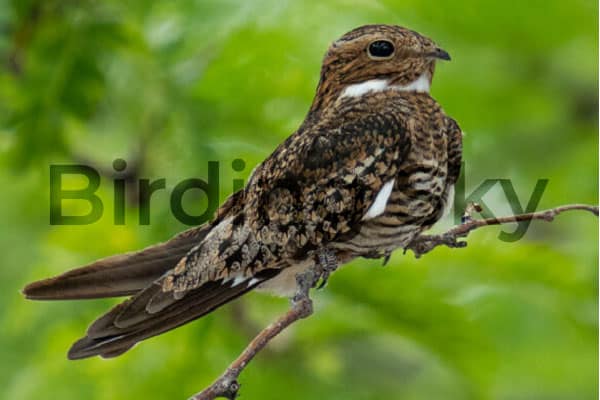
{"points": [[381, 49]]}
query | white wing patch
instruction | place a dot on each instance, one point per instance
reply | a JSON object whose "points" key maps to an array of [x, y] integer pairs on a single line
{"points": [[421, 84], [378, 206]]}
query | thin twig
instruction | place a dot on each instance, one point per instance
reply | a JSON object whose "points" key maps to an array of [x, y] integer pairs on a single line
{"points": [[227, 385], [425, 243]]}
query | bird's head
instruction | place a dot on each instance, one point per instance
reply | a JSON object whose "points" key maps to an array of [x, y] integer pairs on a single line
{"points": [[376, 57]]}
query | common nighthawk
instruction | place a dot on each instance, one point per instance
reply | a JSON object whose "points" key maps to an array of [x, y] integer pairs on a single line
{"points": [[370, 168]]}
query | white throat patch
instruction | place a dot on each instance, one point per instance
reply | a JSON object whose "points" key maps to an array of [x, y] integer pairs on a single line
{"points": [[421, 84], [358, 89]]}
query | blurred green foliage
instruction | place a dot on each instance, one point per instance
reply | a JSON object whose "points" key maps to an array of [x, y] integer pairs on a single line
{"points": [[175, 84]]}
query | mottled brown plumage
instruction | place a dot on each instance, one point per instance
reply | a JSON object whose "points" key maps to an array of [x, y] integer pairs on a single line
{"points": [[370, 168]]}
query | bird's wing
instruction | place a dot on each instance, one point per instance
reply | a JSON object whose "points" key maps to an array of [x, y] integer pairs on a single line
{"points": [[316, 188], [118, 275], [126, 274], [321, 187]]}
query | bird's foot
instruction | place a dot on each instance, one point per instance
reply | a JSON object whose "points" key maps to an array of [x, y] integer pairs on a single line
{"points": [[425, 243], [327, 263]]}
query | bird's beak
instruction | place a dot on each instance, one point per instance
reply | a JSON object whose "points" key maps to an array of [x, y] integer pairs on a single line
{"points": [[439, 54]]}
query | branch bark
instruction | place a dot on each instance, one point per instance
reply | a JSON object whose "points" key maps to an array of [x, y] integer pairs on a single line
{"points": [[227, 385]]}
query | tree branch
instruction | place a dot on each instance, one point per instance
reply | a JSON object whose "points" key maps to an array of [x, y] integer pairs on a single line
{"points": [[227, 384], [423, 244]]}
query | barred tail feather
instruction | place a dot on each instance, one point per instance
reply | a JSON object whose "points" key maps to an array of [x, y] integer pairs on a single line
{"points": [[119, 330]]}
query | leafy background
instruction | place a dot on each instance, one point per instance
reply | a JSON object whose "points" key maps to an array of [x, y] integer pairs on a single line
{"points": [[175, 84]]}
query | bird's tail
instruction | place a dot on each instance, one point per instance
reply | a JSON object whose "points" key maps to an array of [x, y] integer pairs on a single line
{"points": [[133, 320], [119, 275], [149, 311], [155, 310]]}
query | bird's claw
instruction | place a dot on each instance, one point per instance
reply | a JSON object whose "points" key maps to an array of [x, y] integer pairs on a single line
{"points": [[386, 258], [328, 263], [324, 279]]}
